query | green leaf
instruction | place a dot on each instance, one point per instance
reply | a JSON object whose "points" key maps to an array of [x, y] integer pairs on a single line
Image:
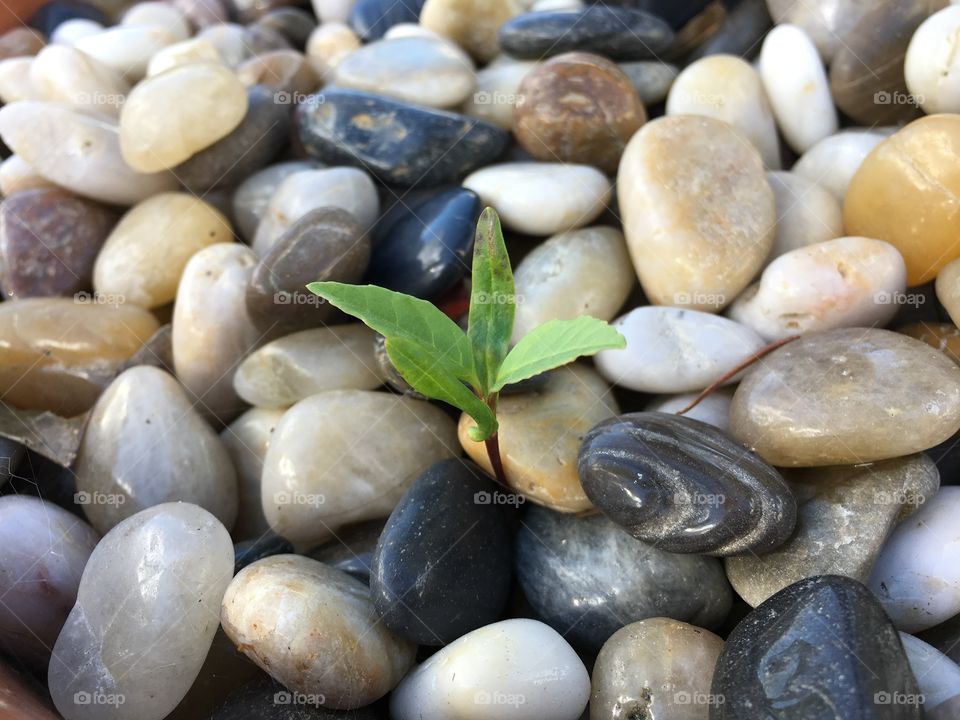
{"points": [[556, 343], [492, 301], [419, 368], [398, 316]]}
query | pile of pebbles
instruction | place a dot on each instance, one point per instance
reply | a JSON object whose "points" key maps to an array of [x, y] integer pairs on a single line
{"points": [[218, 499]]}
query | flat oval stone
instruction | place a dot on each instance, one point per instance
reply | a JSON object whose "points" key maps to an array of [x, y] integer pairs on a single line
{"points": [[49, 240], [246, 440], [472, 24], [656, 666], [158, 132], [844, 515], [904, 193], [78, 152], [806, 213], [577, 108], [58, 354], [580, 272], [554, 417], [44, 551], [540, 198], [69, 76], [372, 18], [496, 92], [937, 677], [915, 576], [127, 48], [799, 655], [400, 143], [145, 254], [250, 199], [685, 486], [311, 469], [314, 629], [145, 617], [444, 522], [930, 67], [833, 162], [846, 282], [427, 250], [698, 212], [619, 33], [296, 366], [587, 577], [805, 404], [670, 350], [418, 70], [17, 174], [510, 670]]}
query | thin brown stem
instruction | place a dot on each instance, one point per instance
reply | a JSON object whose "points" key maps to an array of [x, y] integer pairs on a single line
{"points": [[492, 444], [714, 386]]}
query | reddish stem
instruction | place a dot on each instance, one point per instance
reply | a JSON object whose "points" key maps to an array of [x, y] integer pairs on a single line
{"points": [[492, 444]]}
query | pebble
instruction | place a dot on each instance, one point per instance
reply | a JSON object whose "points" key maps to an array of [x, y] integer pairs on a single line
{"points": [[20, 42], [472, 24], [930, 67], [948, 289], [846, 282], [288, 72], [204, 13], [652, 79], [539, 198], [580, 272], [587, 578], [496, 92], [698, 212], [332, 11], [903, 193], [428, 249], [577, 108], [727, 88], [294, 23], [684, 486], [805, 404], [372, 18], [17, 174], [69, 31], [511, 670], [15, 83], [246, 440], [937, 677], [615, 32], [256, 141], [821, 648], [915, 576], [158, 14], [827, 24], [127, 48], [833, 162], [311, 472], [52, 14], [250, 199], [145, 255], [44, 551], [328, 45], [446, 521], [157, 131], [145, 617], [211, 327], [400, 143], [807, 213], [352, 549], [183, 53], [655, 667], [714, 409], [540, 434], [845, 513], [296, 366], [796, 83], [670, 350], [945, 337], [418, 70], [49, 240], [78, 152], [314, 629], [66, 75], [57, 354]]}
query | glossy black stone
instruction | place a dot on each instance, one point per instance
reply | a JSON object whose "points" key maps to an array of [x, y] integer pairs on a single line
{"points": [[269, 700], [249, 551], [442, 565], [587, 578], [428, 250], [352, 549], [676, 12], [52, 14], [400, 143], [820, 649], [618, 33], [370, 19]]}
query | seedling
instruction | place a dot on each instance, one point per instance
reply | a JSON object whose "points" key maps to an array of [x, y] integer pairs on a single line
{"points": [[468, 370]]}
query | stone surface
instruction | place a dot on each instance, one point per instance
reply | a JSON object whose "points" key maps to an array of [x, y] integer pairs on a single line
{"points": [[315, 480], [49, 240], [66, 75], [948, 289], [294, 23], [328, 45], [352, 549], [145, 616], [904, 193], [806, 213], [937, 677], [447, 520], [472, 24], [845, 514], [510, 670], [20, 42], [713, 409], [740, 32], [314, 629], [248, 552], [930, 67], [142, 433], [697, 209], [587, 578], [398, 142], [577, 108], [69, 31], [17, 174], [657, 666], [496, 92], [540, 434], [372, 18], [820, 649], [651, 78], [827, 23], [182, 53], [945, 337], [833, 161], [126, 48], [236, 43], [144, 256], [246, 440], [540, 198], [158, 14], [287, 72], [250, 199], [805, 404], [258, 700]]}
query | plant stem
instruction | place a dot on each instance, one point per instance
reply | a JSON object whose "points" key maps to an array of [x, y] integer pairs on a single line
{"points": [[492, 444], [714, 386]]}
